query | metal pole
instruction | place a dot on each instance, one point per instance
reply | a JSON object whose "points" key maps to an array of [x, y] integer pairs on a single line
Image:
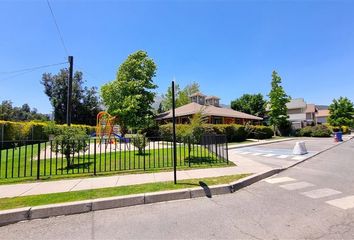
{"points": [[70, 91], [174, 133]]}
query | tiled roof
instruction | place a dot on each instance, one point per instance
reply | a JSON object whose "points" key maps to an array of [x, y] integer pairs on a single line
{"points": [[193, 108]]}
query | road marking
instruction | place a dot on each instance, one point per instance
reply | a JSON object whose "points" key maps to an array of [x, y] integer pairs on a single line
{"points": [[269, 155], [279, 180], [283, 156], [295, 186], [244, 153], [299, 158], [320, 193], [256, 154], [343, 203]]}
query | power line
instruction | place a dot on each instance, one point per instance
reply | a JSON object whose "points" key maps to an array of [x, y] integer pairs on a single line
{"points": [[32, 68], [28, 70], [58, 29]]}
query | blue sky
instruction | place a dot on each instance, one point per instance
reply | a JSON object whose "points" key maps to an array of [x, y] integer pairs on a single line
{"points": [[228, 47]]}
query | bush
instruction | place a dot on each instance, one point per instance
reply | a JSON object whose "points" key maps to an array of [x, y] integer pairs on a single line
{"points": [[306, 131], [70, 140], [37, 131], [321, 131], [233, 132], [316, 131], [259, 132], [140, 142]]}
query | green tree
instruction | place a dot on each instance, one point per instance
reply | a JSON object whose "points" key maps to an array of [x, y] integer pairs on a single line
{"points": [[68, 141], [85, 102], [182, 95], [277, 103], [131, 95], [160, 109], [341, 112], [6, 110], [250, 103], [23, 113]]}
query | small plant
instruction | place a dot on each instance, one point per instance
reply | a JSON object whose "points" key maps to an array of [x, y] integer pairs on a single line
{"points": [[140, 142], [68, 142]]}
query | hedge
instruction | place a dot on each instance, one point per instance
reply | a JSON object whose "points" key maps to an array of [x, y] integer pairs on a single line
{"points": [[315, 131], [233, 132], [13, 131]]}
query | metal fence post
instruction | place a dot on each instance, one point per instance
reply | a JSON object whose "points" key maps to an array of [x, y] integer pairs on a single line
{"points": [[94, 157], [144, 153], [38, 160], [189, 152], [227, 151]]}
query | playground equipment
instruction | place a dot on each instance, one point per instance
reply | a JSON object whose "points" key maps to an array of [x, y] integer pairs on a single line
{"points": [[104, 127]]}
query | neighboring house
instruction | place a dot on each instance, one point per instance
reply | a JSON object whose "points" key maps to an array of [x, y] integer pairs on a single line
{"points": [[210, 107], [297, 109], [322, 115]]}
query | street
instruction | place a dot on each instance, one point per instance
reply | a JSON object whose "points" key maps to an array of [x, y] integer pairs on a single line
{"points": [[313, 200]]}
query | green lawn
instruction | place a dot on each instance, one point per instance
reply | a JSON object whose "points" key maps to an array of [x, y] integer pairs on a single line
{"points": [[20, 164], [36, 200]]}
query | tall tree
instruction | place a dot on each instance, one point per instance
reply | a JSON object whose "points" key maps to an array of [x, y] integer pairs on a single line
{"points": [[131, 95], [341, 112], [182, 95], [277, 103], [250, 103], [85, 102], [23, 113]]}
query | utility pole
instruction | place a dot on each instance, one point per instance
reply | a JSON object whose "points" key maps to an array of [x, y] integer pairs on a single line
{"points": [[70, 90], [174, 133]]}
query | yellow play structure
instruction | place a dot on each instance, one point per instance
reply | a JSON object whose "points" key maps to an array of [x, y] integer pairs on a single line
{"points": [[104, 127]]}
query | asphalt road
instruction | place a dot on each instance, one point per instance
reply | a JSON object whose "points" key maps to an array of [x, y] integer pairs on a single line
{"points": [[314, 200]]}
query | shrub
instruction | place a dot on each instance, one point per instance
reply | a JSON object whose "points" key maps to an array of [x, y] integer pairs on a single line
{"points": [[321, 131], [316, 131], [37, 131], [306, 131], [259, 132], [140, 142], [233, 132], [70, 140]]}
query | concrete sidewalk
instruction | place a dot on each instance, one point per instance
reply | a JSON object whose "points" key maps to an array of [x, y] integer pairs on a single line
{"points": [[244, 165], [15, 190]]}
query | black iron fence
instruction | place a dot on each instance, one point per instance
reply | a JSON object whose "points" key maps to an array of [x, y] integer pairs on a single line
{"points": [[39, 159]]}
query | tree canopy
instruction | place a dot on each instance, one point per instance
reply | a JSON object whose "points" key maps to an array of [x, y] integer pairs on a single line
{"points": [[341, 112], [250, 103], [182, 95], [85, 101], [130, 96], [23, 113], [277, 102]]}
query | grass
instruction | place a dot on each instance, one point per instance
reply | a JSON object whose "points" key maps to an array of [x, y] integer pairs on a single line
{"points": [[15, 167], [44, 199]]}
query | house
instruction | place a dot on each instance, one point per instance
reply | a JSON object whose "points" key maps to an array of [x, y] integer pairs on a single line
{"points": [[210, 107], [322, 115], [300, 113]]}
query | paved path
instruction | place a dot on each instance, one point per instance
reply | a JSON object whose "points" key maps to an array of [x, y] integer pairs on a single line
{"points": [[314, 200], [246, 163]]}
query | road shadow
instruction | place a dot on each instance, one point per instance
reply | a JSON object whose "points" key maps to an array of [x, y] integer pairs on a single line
{"points": [[206, 189]]}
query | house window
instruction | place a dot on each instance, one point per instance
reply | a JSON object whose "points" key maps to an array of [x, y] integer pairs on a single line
{"points": [[216, 120]]}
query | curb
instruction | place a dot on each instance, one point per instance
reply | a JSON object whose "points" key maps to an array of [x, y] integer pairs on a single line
{"points": [[52, 210], [45, 211], [260, 143]]}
